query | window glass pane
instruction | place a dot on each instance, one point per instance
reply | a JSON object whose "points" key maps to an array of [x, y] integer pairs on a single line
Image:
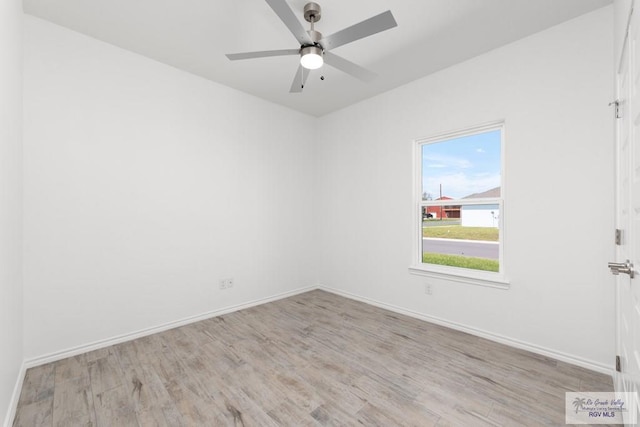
{"points": [[469, 241], [461, 200], [466, 167]]}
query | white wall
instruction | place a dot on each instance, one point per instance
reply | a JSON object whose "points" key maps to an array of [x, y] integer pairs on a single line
{"points": [[620, 20], [10, 199], [552, 90], [144, 186]]}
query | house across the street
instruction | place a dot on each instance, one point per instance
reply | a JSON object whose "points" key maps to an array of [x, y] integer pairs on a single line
{"points": [[481, 215]]}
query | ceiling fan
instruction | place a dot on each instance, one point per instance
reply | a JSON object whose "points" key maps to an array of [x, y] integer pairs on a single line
{"points": [[314, 47]]}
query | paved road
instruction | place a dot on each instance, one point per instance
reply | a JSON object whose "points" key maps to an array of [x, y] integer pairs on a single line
{"points": [[461, 247]]}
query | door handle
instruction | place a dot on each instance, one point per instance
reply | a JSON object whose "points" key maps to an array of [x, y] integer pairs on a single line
{"points": [[622, 267]]}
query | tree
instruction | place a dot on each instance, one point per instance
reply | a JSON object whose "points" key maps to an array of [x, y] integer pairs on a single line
{"points": [[578, 402]]}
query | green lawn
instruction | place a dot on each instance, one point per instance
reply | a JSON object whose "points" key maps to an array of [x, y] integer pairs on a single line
{"points": [[460, 232], [461, 261]]}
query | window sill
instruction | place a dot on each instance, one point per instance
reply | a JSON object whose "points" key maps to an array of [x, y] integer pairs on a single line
{"points": [[492, 280]]}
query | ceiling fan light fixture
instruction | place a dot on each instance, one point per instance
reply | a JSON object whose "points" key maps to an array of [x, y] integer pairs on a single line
{"points": [[311, 57]]}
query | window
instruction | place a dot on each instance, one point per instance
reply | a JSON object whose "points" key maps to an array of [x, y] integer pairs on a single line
{"points": [[459, 203]]}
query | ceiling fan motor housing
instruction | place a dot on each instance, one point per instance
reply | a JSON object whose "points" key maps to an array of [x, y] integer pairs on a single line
{"points": [[314, 50]]}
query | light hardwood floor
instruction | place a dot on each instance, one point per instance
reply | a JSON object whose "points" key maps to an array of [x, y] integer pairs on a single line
{"points": [[312, 359]]}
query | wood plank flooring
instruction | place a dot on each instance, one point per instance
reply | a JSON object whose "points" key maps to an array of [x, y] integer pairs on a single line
{"points": [[315, 359]]}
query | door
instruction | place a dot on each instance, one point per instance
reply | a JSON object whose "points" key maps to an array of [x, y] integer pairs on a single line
{"points": [[628, 211]]}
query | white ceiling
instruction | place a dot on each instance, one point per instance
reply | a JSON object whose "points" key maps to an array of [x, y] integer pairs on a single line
{"points": [[194, 35]]}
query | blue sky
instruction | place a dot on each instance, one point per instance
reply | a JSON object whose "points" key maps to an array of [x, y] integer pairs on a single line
{"points": [[465, 165]]}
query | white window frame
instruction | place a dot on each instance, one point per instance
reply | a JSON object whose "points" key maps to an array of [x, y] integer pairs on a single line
{"points": [[464, 275]]}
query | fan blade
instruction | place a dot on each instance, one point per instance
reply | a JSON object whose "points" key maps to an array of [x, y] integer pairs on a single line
{"points": [[349, 67], [299, 80], [366, 28], [286, 15], [262, 54]]}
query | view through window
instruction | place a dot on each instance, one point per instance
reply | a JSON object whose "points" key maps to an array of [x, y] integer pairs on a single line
{"points": [[460, 203]]}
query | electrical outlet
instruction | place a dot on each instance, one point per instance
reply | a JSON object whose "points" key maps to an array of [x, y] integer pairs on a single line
{"points": [[226, 283], [428, 289]]}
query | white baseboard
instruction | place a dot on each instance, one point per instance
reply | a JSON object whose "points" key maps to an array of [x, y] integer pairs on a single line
{"points": [[564, 357], [15, 396], [63, 354], [502, 339]]}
